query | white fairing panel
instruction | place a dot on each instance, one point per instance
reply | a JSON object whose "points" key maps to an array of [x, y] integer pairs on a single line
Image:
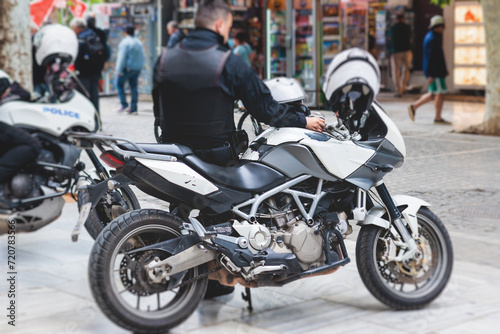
{"points": [[393, 134], [52, 118], [340, 158], [180, 174]]}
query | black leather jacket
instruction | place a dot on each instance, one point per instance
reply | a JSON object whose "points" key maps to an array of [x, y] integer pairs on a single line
{"points": [[236, 82]]}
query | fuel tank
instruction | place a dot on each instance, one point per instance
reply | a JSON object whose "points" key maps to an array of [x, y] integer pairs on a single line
{"points": [[296, 151]]}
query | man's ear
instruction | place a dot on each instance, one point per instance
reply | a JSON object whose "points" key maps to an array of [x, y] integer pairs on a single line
{"points": [[218, 26]]}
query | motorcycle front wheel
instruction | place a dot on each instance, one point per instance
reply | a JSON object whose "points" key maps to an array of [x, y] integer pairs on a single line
{"points": [[410, 284], [120, 282], [102, 215]]}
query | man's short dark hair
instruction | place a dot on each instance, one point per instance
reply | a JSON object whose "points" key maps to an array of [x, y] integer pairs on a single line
{"points": [[90, 21], [242, 37], [130, 30], [209, 11]]}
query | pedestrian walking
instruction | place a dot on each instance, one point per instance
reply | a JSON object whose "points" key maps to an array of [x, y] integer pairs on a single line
{"points": [[90, 60], [101, 33], [241, 47], [176, 35], [401, 55], [128, 68], [434, 67]]}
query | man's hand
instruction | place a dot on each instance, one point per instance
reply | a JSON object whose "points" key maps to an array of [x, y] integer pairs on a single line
{"points": [[430, 80], [315, 123], [7, 92]]}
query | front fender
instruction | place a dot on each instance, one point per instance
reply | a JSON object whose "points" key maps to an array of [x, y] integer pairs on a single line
{"points": [[413, 204]]}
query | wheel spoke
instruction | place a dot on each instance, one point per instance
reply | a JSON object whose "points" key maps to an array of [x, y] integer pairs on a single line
{"points": [[128, 289], [142, 241]]}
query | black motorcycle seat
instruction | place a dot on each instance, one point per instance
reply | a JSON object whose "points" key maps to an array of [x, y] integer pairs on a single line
{"points": [[176, 150], [245, 175]]}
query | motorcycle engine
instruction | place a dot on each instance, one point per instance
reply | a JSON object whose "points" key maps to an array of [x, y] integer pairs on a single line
{"points": [[298, 238], [306, 245], [21, 185], [27, 184]]}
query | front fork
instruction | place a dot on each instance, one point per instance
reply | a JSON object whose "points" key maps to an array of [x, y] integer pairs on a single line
{"points": [[412, 250]]}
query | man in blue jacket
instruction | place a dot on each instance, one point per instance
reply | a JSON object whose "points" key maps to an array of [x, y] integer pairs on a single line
{"points": [[434, 67], [128, 67], [176, 34]]}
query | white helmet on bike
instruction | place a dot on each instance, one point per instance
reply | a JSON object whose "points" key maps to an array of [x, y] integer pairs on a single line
{"points": [[352, 70], [55, 41], [285, 90]]}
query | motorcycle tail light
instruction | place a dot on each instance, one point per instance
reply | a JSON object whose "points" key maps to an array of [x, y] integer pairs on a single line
{"points": [[111, 160]]}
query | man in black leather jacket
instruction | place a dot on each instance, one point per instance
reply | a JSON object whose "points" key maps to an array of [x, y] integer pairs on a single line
{"points": [[195, 86], [197, 82]]}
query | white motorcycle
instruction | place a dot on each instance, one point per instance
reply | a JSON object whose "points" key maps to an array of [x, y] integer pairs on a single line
{"points": [[279, 215], [34, 194]]}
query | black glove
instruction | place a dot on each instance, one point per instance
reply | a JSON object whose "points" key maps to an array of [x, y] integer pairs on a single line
{"points": [[301, 108]]}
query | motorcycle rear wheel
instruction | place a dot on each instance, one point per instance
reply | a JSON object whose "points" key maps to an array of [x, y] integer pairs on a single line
{"points": [[101, 215], [411, 285], [120, 284]]}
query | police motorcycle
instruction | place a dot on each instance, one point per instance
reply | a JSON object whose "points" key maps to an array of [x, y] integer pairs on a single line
{"points": [[34, 194], [279, 215]]}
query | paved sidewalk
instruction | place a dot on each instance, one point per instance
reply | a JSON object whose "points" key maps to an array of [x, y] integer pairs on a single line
{"points": [[458, 174]]}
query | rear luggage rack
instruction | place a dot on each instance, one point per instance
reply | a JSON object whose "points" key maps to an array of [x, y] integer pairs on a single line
{"points": [[83, 139]]}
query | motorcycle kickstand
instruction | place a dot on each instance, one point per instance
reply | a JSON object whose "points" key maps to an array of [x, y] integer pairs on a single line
{"points": [[248, 297]]}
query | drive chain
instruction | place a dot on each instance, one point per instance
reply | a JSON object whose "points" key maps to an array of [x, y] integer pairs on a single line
{"points": [[198, 277]]}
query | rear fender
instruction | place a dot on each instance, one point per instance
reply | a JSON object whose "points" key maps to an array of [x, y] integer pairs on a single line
{"points": [[412, 204]]}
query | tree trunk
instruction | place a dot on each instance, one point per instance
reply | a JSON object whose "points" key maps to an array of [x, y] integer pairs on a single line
{"points": [[15, 41], [491, 123], [491, 13]]}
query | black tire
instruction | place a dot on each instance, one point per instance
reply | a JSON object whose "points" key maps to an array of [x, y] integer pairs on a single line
{"points": [[406, 286], [117, 292], [101, 215], [252, 126]]}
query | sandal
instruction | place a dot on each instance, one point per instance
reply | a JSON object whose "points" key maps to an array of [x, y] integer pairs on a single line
{"points": [[411, 112], [442, 122]]}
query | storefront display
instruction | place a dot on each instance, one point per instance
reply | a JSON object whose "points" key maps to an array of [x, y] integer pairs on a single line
{"points": [[276, 51], [247, 18], [305, 48], [331, 31], [293, 47], [378, 23], [469, 51], [117, 17], [185, 14], [354, 19]]}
